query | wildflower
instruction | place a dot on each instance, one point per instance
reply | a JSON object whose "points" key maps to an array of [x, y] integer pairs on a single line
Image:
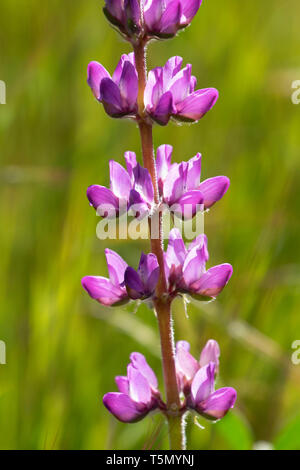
{"points": [[186, 271], [164, 18], [127, 188], [138, 392], [197, 381], [124, 283], [179, 184], [118, 93], [170, 92], [125, 14]]}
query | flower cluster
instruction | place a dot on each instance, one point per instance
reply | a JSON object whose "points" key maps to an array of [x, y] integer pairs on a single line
{"points": [[160, 19], [169, 93], [179, 186], [139, 395], [185, 270]]}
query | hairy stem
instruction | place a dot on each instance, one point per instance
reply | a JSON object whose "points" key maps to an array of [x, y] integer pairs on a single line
{"points": [[162, 304]]}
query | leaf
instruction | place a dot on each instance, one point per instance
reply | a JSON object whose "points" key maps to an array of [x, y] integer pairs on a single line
{"points": [[236, 430], [289, 436]]}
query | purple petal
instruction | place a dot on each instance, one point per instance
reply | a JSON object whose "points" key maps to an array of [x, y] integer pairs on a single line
{"points": [[140, 363], [139, 388], [213, 189], [122, 407], [116, 267], [163, 163], [194, 265], [189, 204], [203, 383], [189, 9], [180, 84], [133, 14], [170, 19], [154, 89], [197, 104], [134, 285], [120, 183], [96, 72], [103, 290], [143, 183], [210, 353], [111, 98], [170, 69], [176, 251], [218, 403], [119, 69], [185, 362], [122, 384], [183, 344], [130, 158], [115, 9], [103, 200], [164, 109], [200, 241], [128, 86], [137, 206], [148, 271], [213, 281], [153, 10], [194, 172], [175, 183]]}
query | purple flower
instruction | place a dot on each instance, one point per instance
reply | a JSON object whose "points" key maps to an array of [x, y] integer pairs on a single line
{"points": [[186, 272], [164, 18], [138, 392], [197, 381], [125, 14], [179, 184], [187, 366], [170, 92], [127, 188], [118, 93], [124, 283]]}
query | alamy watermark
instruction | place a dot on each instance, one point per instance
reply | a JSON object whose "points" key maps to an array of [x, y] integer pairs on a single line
{"points": [[2, 352], [133, 224], [295, 97], [296, 354], [2, 92]]}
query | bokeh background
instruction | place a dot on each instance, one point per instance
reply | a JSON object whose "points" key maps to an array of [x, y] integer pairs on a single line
{"points": [[63, 349]]}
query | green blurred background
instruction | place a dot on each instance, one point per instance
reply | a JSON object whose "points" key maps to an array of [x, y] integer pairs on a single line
{"points": [[63, 349]]}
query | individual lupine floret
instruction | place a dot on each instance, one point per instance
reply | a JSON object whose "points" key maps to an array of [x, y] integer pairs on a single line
{"points": [[179, 183], [118, 93], [170, 92], [197, 381], [126, 15], [187, 366], [138, 392], [186, 268], [164, 18], [124, 283], [127, 188]]}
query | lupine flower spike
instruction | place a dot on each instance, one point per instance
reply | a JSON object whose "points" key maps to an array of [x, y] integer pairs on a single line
{"points": [[165, 93]]}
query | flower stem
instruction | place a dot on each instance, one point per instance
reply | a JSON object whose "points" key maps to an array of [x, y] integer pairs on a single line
{"points": [[162, 304]]}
